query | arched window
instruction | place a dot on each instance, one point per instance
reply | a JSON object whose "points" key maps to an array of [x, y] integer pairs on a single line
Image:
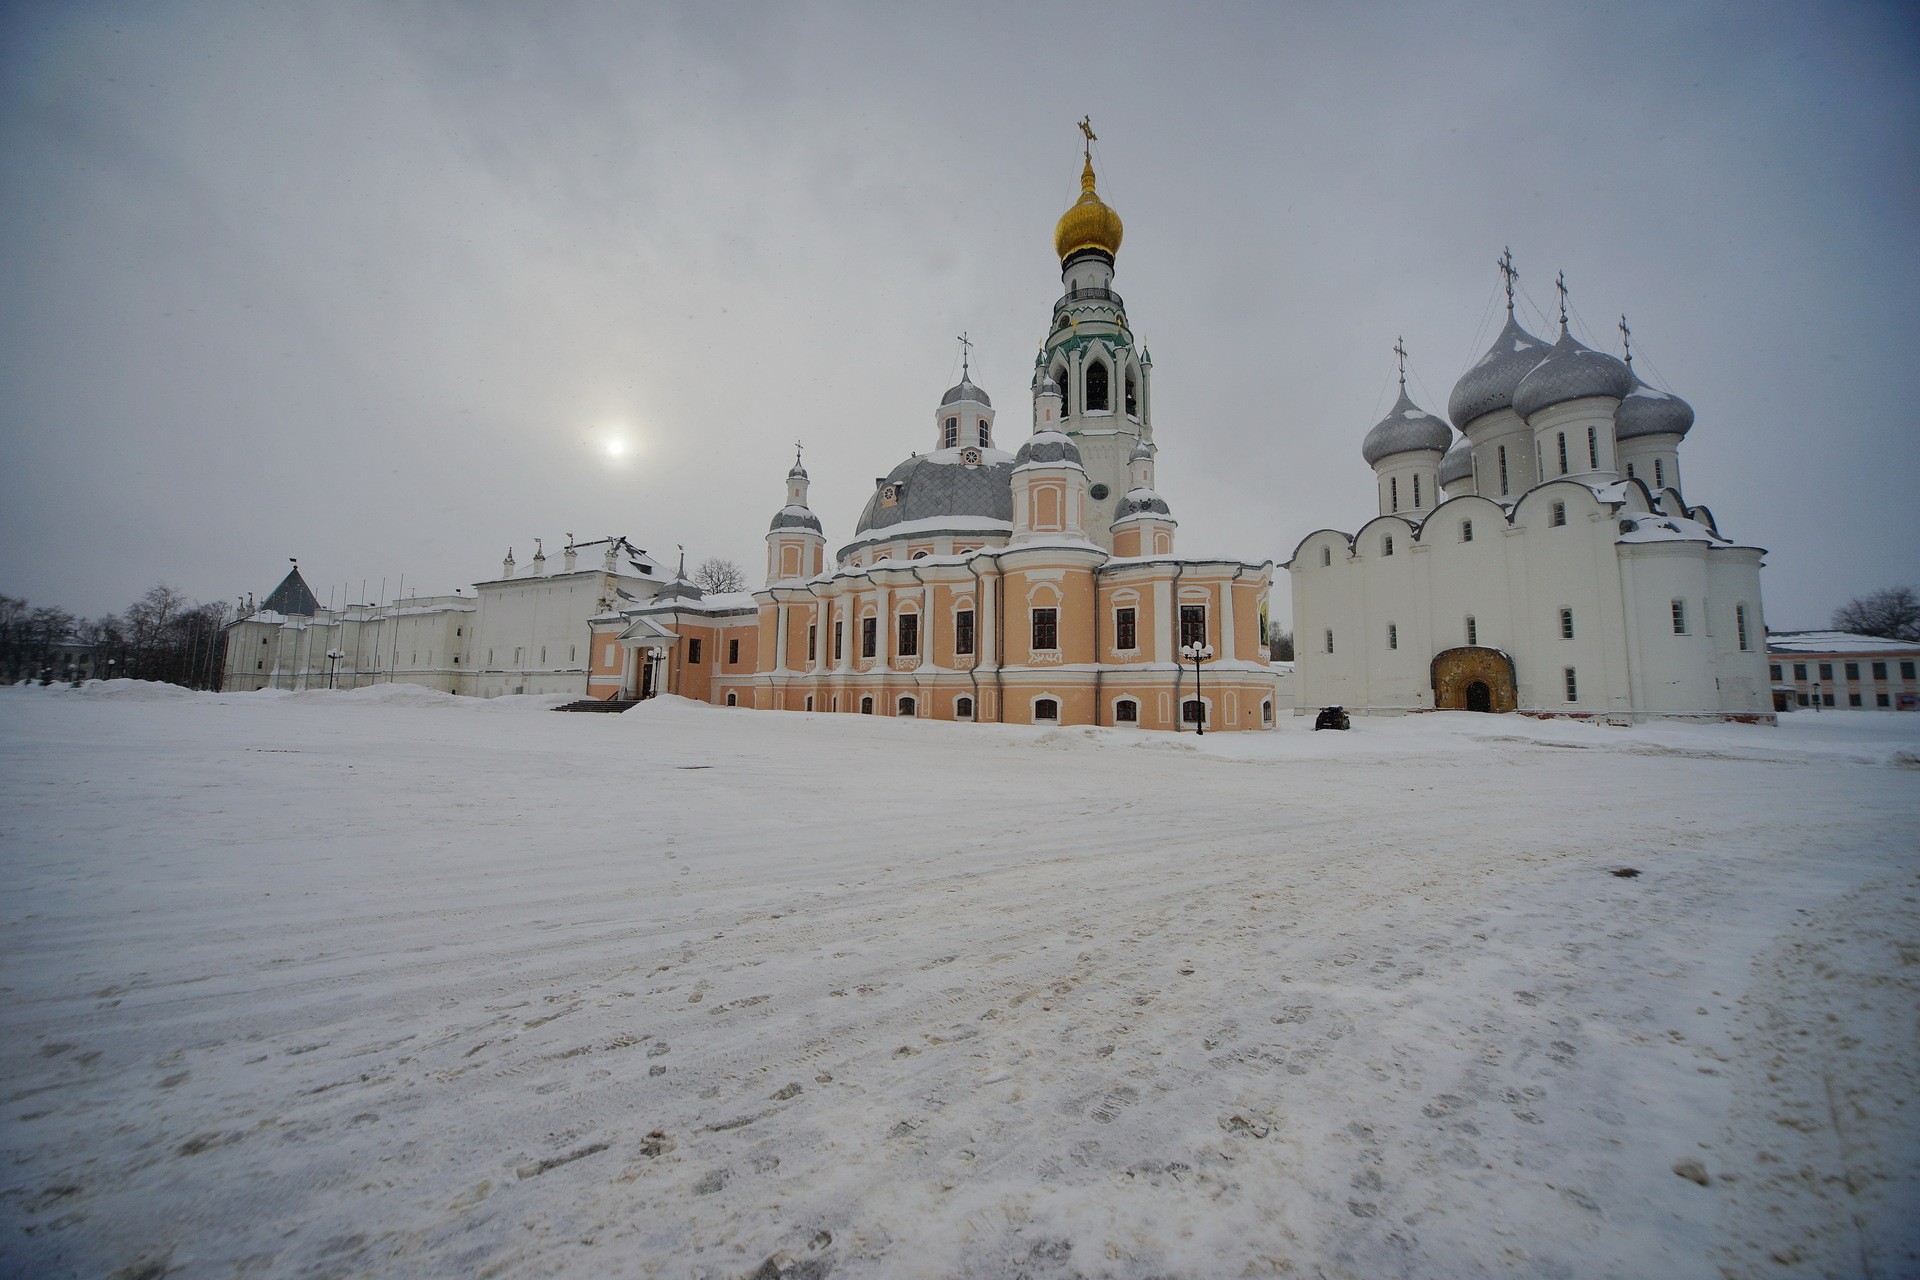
{"points": [[1266, 712], [1097, 393], [1326, 557], [951, 436], [809, 702], [963, 708], [1133, 397], [1473, 630], [1066, 390], [1193, 711], [1393, 488], [733, 699], [1126, 711], [1558, 514], [906, 707], [1659, 474], [986, 434], [1393, 635], [866, 706], [1046, 709], [1386, 545]]}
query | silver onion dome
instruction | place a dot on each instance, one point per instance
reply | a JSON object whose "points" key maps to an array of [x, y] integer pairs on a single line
{"points": [[1489, 385], [1571, 371], [924, 489], [1141, 502], [795, 518], [965, 390], [1457, 464], [1047, 446], [1407, 428], [1645, 411]]}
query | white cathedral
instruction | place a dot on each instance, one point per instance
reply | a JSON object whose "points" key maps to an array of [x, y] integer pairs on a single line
{"points": [[1543, 561]]}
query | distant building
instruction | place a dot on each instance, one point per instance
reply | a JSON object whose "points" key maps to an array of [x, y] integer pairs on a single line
{"points": [[1838, 669], [522, 632], [1541, 561]]}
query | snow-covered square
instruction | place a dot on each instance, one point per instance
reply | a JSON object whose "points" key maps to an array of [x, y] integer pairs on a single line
{"points": [[395, 983]]}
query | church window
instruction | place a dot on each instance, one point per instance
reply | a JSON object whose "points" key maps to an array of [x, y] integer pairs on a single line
{"points": [[1879, 671], [733, 699], [951, 437], [693, 651], [1393, 493], [1473, 630], [1393, 636], [543, 655], [1559, 514], [1326, 556], [459, 631], [1562, 436], [489, 657], [1193, 624], [517, 651], [1740, 625], [1133, 399], [1680, 629], [571, 651], [1386, 545], [260, 665], [839, 649], [1799, 671], [1416, 493], [963, 631], [909, 626], [921, 554], [1126, 711], [1098, 492], [1046, 709], [1566, 624], [1125, 636], [1573, 686], [1503, 471], [869, 636], [809, 702], [1329, 639], [1593, 448], [906, 707], [866, 706], [1466, 531], [963, 708], [986, 434], [1097, 387], [1630, 474], [1266, 712], [1193, 711], [1659, 474], [733, 652], [1046, 628]]}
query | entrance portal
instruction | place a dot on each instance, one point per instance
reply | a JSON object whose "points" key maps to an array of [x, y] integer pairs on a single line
{"points": [[1474, 678]]}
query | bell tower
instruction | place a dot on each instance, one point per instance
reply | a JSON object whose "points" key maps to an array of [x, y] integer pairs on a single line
{"points": [[1090, 355], [796, 546]]}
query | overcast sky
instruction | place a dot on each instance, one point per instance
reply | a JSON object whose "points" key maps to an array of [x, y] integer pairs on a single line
{"points": [[377, 285]]}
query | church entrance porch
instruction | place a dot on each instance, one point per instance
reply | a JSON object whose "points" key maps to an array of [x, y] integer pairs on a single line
{"points": [[1474, 678]]}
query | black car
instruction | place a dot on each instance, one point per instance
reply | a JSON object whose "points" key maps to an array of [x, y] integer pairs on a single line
{"points": [[1332, 718]]}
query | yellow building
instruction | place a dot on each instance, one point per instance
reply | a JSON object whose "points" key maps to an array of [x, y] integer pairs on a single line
{"points": [[1033, 587]]}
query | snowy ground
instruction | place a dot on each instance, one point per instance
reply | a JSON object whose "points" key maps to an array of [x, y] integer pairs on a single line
{"points": [[394, 984]]}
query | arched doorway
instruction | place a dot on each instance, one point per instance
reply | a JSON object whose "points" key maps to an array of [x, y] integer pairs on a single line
{"points": [[1474, 678]]}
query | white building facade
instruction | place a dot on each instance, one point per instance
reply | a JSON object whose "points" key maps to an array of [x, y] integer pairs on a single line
{"points": [[1543, 561]]}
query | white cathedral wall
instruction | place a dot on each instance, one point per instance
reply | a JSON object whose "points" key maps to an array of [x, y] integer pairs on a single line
{"points": [[1733, 579], [1403, 470], [1587, 425], [1502, 427], [536, 632], [1672, 674]]}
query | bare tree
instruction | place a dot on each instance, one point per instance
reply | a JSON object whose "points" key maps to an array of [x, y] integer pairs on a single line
{"points": [[1893, 613], [1280, 646], [715, 576]]}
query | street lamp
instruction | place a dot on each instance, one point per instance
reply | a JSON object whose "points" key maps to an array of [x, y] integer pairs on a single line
{"points": [[1816, 695], [333, 656], [1197, 653]]}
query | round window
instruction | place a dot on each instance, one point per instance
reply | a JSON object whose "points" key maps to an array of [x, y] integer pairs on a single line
{"points": [[1098, 492]]}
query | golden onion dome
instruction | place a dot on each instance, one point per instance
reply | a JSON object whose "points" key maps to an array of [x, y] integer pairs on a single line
{"points": [[1090, 224]]}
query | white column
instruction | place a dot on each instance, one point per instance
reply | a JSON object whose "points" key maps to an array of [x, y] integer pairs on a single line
{"points": [[1227, 647]]}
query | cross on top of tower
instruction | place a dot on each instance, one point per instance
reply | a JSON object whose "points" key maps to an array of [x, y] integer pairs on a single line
{"points": [[796, 453], [1400, 350], [1560, 283], [1626, 340], [1505, 263], [1086, 127], [966, 350]]}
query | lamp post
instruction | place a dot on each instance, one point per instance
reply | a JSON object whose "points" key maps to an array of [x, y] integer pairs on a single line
{"points": [[1816, 695], [1197, 653], [333, 657]]}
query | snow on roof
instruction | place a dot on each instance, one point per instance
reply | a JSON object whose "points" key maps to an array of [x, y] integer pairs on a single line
{"points": [[1835, 642], [1658, 528], [951, 457]]}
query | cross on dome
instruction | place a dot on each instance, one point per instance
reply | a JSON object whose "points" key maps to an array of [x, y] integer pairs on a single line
{"points": [[1626, 341], [1400, 350], [1560, 283], [1505, 263]]}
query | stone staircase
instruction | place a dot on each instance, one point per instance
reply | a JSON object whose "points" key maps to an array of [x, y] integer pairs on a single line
{"points": [[600, 704]]}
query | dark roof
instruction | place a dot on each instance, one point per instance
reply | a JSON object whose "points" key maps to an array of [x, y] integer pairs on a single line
{"points": [[926, 488], [293, 597]]}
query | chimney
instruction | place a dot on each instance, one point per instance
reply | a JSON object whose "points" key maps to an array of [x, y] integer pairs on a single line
{"points": [[506, 566]]}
